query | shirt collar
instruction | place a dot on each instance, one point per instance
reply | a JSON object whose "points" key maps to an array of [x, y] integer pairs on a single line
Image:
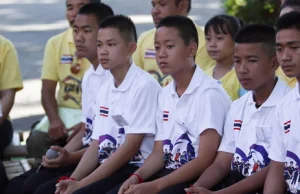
{"points": [[70, 35], [194, 83], [126, 83], [276, 95]]}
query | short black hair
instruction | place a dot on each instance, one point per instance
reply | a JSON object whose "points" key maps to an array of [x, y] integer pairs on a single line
{"points": [[258, 33], [189, 6], [124, 24], [99, 10], [223, 24], [185, 26], [295, 4], [288, 21]]}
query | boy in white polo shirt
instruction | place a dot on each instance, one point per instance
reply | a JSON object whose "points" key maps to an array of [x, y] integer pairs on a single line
{"points": [[190, 116], [285, 148], [124, 128], [88, 19], [241, 165]]}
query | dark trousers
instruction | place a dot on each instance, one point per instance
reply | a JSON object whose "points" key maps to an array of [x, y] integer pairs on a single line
{"points": [[3, 178], [98, 187], [6, 134], [28, 182], [175, 189]]}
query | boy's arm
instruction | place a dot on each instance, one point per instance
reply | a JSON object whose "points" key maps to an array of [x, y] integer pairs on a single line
{"points": [[275, 182], [216, 172], [76, 141], [250, 184], [122, 156], [209, 142], [153, 163], [88, 163]]}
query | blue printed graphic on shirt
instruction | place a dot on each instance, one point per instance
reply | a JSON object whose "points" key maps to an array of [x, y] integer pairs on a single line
{"points": [[108, 145], [256, 160], [178, 154], [292, 172]]}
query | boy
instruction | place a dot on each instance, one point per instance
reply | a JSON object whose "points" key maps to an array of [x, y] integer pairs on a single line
{"points": [[191, 113], [286, 7], [285, 142], [88, 19], [126, 114], [241, 165], [144, 56]]}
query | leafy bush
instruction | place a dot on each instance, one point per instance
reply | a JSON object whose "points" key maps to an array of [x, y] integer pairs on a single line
{"points": [[253, 11]]}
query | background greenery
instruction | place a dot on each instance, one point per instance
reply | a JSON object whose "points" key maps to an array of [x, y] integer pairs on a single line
{"points": [[253, 11]]}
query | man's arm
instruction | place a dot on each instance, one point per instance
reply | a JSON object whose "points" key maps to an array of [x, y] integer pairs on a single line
{"points": [[75, 142], [57, 127], [121, 157], [216, 172], [7, 102], [209, 143], [275, 182]]}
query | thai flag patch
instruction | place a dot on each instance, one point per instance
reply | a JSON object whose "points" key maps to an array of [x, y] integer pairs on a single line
{"points": [[287, 126], [104, 111], [150, 54], [166, 115], [66, 59], [237, 125]]}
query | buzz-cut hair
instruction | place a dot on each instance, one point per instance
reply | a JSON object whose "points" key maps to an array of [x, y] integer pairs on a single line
{"points": [[124, 24], [99, 10], [185, 26], [258, 33], [288, 21]]}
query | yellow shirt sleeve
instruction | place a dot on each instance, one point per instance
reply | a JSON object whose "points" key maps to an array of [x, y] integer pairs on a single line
{"points": [[10, 75], [50, 62], [138, 55]]}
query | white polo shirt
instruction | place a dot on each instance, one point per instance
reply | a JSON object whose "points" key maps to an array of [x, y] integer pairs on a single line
{"points": [[181, 120], [286, 137], [91, 83], [128, 109], [248, 131]]}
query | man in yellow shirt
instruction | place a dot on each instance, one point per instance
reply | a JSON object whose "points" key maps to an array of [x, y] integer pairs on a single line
{"points": [[64, 67], [144, 56], [10, 83]]}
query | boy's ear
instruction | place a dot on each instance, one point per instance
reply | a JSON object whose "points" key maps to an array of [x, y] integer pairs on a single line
{"points": [[132, 47], [275, 63], [193, 49], [183, 6]]}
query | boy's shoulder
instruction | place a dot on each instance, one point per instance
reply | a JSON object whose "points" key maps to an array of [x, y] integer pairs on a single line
{"points": [[144, 78], [288, 100]]}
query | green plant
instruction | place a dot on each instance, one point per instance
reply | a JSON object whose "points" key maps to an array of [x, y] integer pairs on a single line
{"points": [[253, 11]]}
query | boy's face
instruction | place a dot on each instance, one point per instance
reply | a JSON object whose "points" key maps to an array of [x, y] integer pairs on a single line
{"points": [[171, 54], [85, 36], [288, 51], [219, 46], [163, 8], [73, 7], [254, 67], [113, 50]]}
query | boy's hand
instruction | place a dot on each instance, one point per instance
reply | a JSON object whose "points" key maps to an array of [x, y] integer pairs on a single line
{"points": [[67, 187], [63, 159], [133, 180], [198, 190], [143, 188]]}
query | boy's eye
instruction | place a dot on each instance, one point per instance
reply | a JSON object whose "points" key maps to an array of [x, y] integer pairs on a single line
{"points": [[279, 49], [170, 46], [252, 61], [294, 47]]}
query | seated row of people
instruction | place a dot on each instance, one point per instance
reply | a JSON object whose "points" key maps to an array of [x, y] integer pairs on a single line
{"points": [[170, 137]]}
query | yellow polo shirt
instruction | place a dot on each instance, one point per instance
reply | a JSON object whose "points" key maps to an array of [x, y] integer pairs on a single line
{"points": [[291, 82], [10, 75], [58, 59], [230, 83], [144, 56]]}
